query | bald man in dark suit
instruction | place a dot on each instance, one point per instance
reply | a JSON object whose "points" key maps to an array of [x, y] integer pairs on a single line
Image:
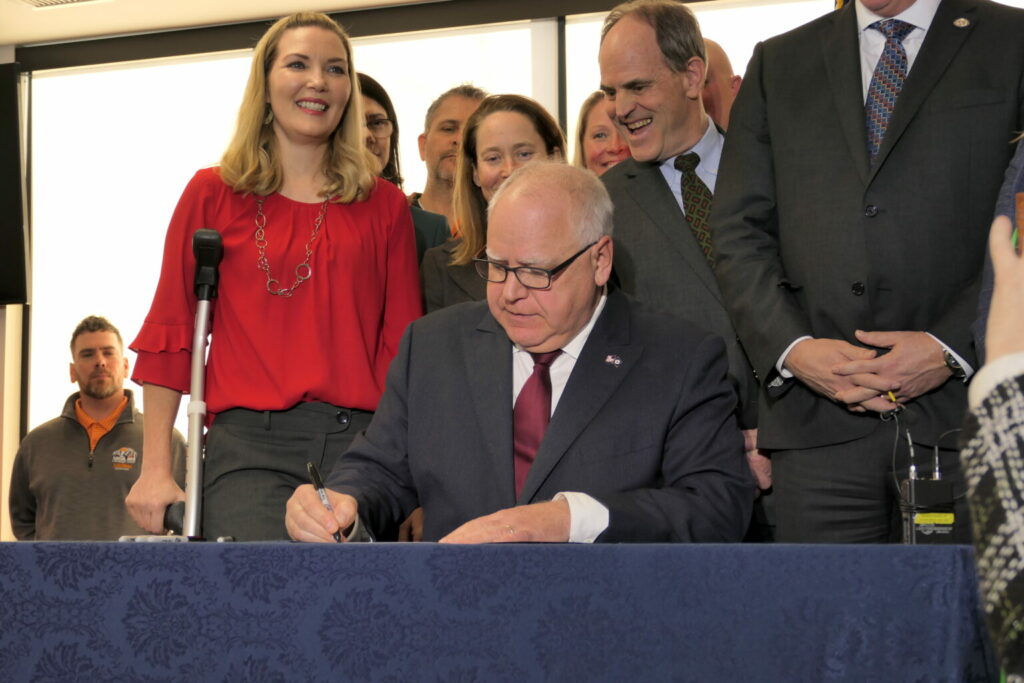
{"points": [[639, 443]]}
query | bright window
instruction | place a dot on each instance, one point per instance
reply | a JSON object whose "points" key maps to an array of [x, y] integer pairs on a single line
{"points": [[444, 59], [112, 148]]}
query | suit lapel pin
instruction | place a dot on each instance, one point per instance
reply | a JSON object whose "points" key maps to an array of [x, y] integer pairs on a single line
{"points": [[961, 22], [613, 360]]}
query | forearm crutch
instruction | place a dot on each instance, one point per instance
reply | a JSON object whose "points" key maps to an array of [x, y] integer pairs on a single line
{"points": [[208, 251]]}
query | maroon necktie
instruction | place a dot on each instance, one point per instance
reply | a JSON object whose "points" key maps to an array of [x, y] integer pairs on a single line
{"points": [[531, 415]]}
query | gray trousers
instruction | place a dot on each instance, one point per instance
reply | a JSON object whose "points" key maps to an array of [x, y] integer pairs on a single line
{"points": [[256, 459], [847, 493]]}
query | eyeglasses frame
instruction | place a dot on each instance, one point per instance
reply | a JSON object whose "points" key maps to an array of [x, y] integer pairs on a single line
{"points": [[551, 272], [378, 120]]}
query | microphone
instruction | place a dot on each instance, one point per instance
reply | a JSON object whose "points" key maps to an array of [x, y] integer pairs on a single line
{"points": [[207, 248]]}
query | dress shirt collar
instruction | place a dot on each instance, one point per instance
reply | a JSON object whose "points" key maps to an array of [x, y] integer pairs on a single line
{"points": [[97, 429], [709, 149], [575, 345], [920, 14]]}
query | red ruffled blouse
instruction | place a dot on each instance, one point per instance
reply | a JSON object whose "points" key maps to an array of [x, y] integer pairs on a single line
{"points": [[331, 341]]}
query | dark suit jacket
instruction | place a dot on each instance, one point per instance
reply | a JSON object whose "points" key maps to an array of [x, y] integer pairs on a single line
{"points": [[658, 261], [431, 230], [645, 425], [444, 284], [812, 240]]}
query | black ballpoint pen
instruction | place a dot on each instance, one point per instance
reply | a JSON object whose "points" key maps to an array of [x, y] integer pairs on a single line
{"points": [[318, 484]]}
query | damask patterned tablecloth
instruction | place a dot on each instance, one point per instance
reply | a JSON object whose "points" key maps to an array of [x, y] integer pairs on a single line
{"points": [[424, 612]]}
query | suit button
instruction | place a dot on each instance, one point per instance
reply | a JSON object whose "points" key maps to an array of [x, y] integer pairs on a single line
{"points": [[870, 210], [343, 417], [857, 288]]}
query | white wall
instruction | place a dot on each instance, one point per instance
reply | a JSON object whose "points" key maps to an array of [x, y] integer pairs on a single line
{"points": [[10, 405]]}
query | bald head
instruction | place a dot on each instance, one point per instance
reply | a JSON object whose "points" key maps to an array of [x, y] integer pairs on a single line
{"points": [[578, 191], [720, 86]]}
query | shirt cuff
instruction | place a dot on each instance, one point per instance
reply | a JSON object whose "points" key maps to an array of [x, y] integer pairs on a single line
{"points": [[587, 517], [360, 533], [786, 374], [964, 364], [993, 374]]}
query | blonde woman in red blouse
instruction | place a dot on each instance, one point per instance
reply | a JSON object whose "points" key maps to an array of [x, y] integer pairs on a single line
{"points": [[318, 282]]}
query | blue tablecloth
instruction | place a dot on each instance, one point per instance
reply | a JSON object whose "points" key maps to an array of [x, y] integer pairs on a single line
{"points": [[401, 612]]}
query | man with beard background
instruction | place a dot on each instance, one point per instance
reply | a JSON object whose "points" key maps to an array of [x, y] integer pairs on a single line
{"points": [[439, 146], [71, 474]]}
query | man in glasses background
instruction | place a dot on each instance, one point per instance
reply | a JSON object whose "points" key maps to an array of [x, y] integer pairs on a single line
{"points": [[556, 411]]}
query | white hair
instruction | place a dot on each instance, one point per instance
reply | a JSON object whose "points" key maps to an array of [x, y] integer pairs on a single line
{"points": [[590, 207]]}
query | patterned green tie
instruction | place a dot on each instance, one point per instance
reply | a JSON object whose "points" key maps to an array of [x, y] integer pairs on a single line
{"points": [[696, 202]]}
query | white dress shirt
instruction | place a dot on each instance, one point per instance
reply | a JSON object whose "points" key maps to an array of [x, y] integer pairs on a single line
{"points": [[587, 517]]}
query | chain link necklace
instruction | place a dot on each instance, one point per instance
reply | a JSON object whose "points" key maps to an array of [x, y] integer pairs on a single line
{"points": [[303, 271]]}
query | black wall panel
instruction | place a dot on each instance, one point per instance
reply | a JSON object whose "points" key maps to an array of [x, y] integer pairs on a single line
{"points": [[13, 271]]}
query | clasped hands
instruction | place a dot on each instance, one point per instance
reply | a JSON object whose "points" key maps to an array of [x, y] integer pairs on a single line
{"points": [[308, 520], [860, 378]]}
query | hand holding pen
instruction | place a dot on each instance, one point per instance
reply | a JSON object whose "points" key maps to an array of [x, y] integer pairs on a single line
{"points": [[318, 484], [317, 514], [309, 519]]}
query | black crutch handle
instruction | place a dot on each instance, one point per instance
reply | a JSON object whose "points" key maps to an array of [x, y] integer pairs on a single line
{"points": [[174, 517], [207, 248]]}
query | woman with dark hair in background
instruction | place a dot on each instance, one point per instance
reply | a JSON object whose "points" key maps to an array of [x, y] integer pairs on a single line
{"points": [[317, 285], [598, 143], [504, 133], [382, 141]]}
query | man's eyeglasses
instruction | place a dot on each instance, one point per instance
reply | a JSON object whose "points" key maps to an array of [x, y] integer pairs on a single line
{"points": [[380, 127], [528, 276]]}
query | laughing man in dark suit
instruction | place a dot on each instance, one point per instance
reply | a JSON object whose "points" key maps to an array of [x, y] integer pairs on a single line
{"points": [[653, 72]]}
